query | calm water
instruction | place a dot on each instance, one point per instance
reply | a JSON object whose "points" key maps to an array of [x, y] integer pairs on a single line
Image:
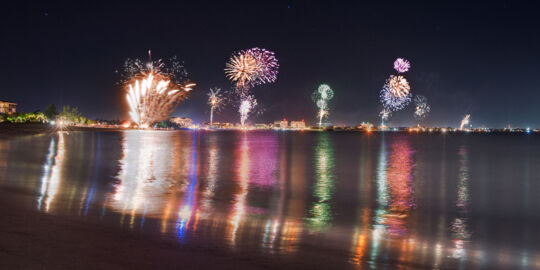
{"points": [[368, 200]]}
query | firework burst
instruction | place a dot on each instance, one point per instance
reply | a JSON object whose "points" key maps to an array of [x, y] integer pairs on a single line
{"points": [[392, 102], [215, 101], [402, 65], [267, 65], [399, 86], [255, 66], [154, 89], [321, 96], [172, 68], [248, 68], [422, 107], [242, 70]]}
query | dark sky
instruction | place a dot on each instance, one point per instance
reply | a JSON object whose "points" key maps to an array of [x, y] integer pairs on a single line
{"points": [[480, 58]]}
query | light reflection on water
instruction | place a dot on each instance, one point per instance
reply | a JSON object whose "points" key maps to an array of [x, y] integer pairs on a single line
{"points": [[321, 211], [407, 200], [460, 233], [52, 173]]}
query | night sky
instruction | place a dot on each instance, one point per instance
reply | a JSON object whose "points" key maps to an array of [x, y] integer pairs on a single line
{"points": [[478, 58]]}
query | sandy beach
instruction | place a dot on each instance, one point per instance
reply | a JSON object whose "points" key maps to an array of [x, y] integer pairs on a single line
{"points": [[35, 240]]}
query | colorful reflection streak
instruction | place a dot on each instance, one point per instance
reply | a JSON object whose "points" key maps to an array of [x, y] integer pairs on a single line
{"points": [[360, 241], [395, 197], [93, 182], [52, 173], [362, 227], [294, 192], [240, 197], [263, 155], [401, 187], [153, 173], [188, 205], [211, 169], [382, 203], [274, 225], [460, 233], [321, 211]]}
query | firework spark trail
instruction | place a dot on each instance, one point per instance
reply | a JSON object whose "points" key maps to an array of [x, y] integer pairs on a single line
{"points": [[247, 104], [154, 89], [385, 114], [151, 100], [402, 65], [321, 96], [215, 101], [465, 121], [422, 107]]}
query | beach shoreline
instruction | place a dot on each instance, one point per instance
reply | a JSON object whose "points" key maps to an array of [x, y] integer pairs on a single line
{"points": [[33, 239], [12, 130]]}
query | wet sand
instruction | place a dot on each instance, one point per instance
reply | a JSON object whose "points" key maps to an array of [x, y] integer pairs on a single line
{"points": [[35, 240]]}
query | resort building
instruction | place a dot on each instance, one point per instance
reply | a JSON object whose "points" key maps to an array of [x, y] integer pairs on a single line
{"points": [[7, 107], [283, 124], [182, 122], [262, 126], [222, 125], [298, 124]]}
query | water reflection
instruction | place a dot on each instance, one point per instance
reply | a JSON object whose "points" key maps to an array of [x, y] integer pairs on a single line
{"points": [[400, 186], [382, 201], [275, 224], [240, 196], [4, 150], [188, 205], [52, 173], [291, 194], [395, 198], [153, 174], [211, 169], [460, 233], [321, 211], [95, 173], [293, 191], [362, 228]]}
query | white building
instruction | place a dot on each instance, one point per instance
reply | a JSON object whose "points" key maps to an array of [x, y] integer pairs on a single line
{"points": [[298, 124], [182, 122], [283, 124]]}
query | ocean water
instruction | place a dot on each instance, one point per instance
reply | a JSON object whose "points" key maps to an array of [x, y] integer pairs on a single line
{"points": [[368, 200]]}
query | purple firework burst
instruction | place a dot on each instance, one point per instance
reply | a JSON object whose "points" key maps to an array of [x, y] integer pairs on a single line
{"points": [[267, 65], [402, 65]]}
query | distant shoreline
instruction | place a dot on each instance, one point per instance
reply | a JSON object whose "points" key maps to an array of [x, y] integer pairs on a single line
{"points": [[12, 130]]}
